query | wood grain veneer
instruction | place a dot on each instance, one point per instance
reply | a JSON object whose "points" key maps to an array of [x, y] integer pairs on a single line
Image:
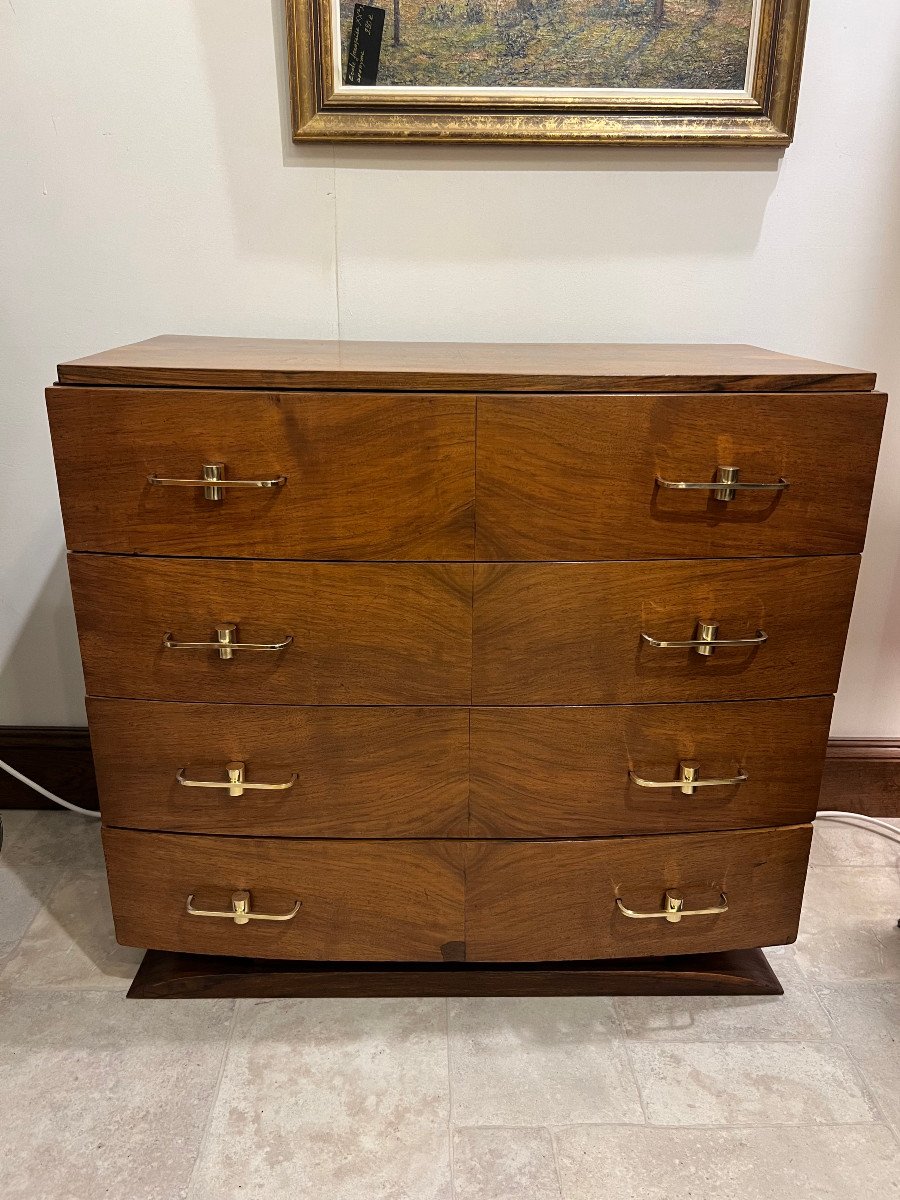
{"points": [[368, 477], [521, 901], [361, 772], [571, 633], [860, 775], [180, 361], [469, 544], [396, 633], [381, 900], [564, 772], [546, 901], [574, 477]]}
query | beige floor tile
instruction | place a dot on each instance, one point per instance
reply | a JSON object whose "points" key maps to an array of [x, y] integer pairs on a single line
{"points": [[795, 1016], [852, 846], [332, 1100], [879, 1065], [105, 1097], [848, 1163], [71, 942], [19, 905], [504, 1164], [15, 822], [848, 929], [767, 1083], [59, 839], [863, 1012], [539, 1061]]}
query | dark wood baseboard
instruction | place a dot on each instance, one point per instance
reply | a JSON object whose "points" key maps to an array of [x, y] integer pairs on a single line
{"points": [[166, 976], [861, 774]]}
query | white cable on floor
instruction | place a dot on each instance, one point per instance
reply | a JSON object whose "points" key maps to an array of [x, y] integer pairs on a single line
{"points": [[85, 812], [884, 828]]}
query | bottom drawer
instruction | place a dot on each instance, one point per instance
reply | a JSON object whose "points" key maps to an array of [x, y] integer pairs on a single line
{"points": [[539, 901], [429, 900], [381, 901]]}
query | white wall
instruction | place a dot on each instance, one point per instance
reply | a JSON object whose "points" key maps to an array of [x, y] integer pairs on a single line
{"points": [[149, 185]]}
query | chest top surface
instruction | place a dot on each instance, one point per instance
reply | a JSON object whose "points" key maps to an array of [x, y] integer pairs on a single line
{"points": [[185, 361]]}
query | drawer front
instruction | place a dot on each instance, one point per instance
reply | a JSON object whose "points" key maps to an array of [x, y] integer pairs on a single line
{"points": [[572, 633], [552, 901], [388, 633], [379, 901], [574, 477], [339, 772], [586, 772], [367, 476]]}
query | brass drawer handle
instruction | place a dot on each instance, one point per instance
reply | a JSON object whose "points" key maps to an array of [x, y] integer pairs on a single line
{"points": [[240, 911], [688, 779], [214, 481], [673, 909], [236, 784], [726, 484], [225, 643], [706, 640]]}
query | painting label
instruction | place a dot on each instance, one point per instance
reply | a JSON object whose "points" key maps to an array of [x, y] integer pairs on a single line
{"points": [[364, 49]]}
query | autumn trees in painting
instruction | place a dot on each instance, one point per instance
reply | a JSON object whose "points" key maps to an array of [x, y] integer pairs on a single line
{"points": [[563, 43]]}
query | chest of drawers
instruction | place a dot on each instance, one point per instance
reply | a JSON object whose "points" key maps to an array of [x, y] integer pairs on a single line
{"points": [[464, 654]]}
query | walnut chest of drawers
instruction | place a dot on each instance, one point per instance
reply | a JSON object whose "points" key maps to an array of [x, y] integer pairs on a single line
{"points": [[449, 653]]}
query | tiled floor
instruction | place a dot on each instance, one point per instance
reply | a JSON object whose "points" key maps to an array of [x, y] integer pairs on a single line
{"points": [[556, 1099]]}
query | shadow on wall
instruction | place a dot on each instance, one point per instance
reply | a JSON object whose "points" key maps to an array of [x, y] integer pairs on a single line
{"points": [[638, 201], [41, 674]]}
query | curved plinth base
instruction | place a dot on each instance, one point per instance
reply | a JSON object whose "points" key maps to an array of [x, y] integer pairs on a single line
{"points": [[164, 975]]}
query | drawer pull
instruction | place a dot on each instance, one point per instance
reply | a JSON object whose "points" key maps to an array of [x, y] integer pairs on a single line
{"points": [[214, 482], [688, 779], [673, 909], [236, 784], [240, 911], [726, 485], [706, 640], [225, 643]]}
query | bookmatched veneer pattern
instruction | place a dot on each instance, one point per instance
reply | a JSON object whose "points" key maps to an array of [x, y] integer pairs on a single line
{"points": [[433, 624]]}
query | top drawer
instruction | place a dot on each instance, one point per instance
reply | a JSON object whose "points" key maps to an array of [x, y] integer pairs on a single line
{"points": [[576, 477], [366, 476]]}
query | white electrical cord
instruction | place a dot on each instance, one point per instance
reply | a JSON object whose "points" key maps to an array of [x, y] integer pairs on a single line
{"points": [[885, 828], [85, 812]]}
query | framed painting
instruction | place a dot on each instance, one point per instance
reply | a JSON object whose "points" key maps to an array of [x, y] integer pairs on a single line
{"points": [[589, 71]]}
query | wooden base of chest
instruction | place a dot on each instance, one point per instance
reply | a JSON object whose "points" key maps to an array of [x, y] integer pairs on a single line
{"points": [[166, 976]]}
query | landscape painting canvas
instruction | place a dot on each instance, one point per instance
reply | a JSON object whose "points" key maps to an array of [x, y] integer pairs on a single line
{"points": [[682, 72], [597, 44]]}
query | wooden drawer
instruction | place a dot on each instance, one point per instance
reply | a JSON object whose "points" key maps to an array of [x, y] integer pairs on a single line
{"points": [[359, 900], [545, 901], [574, 477], [368, 476], [565, 772], [388, 633], [572, 633], [357, 772], [445, 900]]}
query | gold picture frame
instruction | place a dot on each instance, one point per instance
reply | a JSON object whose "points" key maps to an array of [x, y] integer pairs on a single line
{"points": [[762, 113]]}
